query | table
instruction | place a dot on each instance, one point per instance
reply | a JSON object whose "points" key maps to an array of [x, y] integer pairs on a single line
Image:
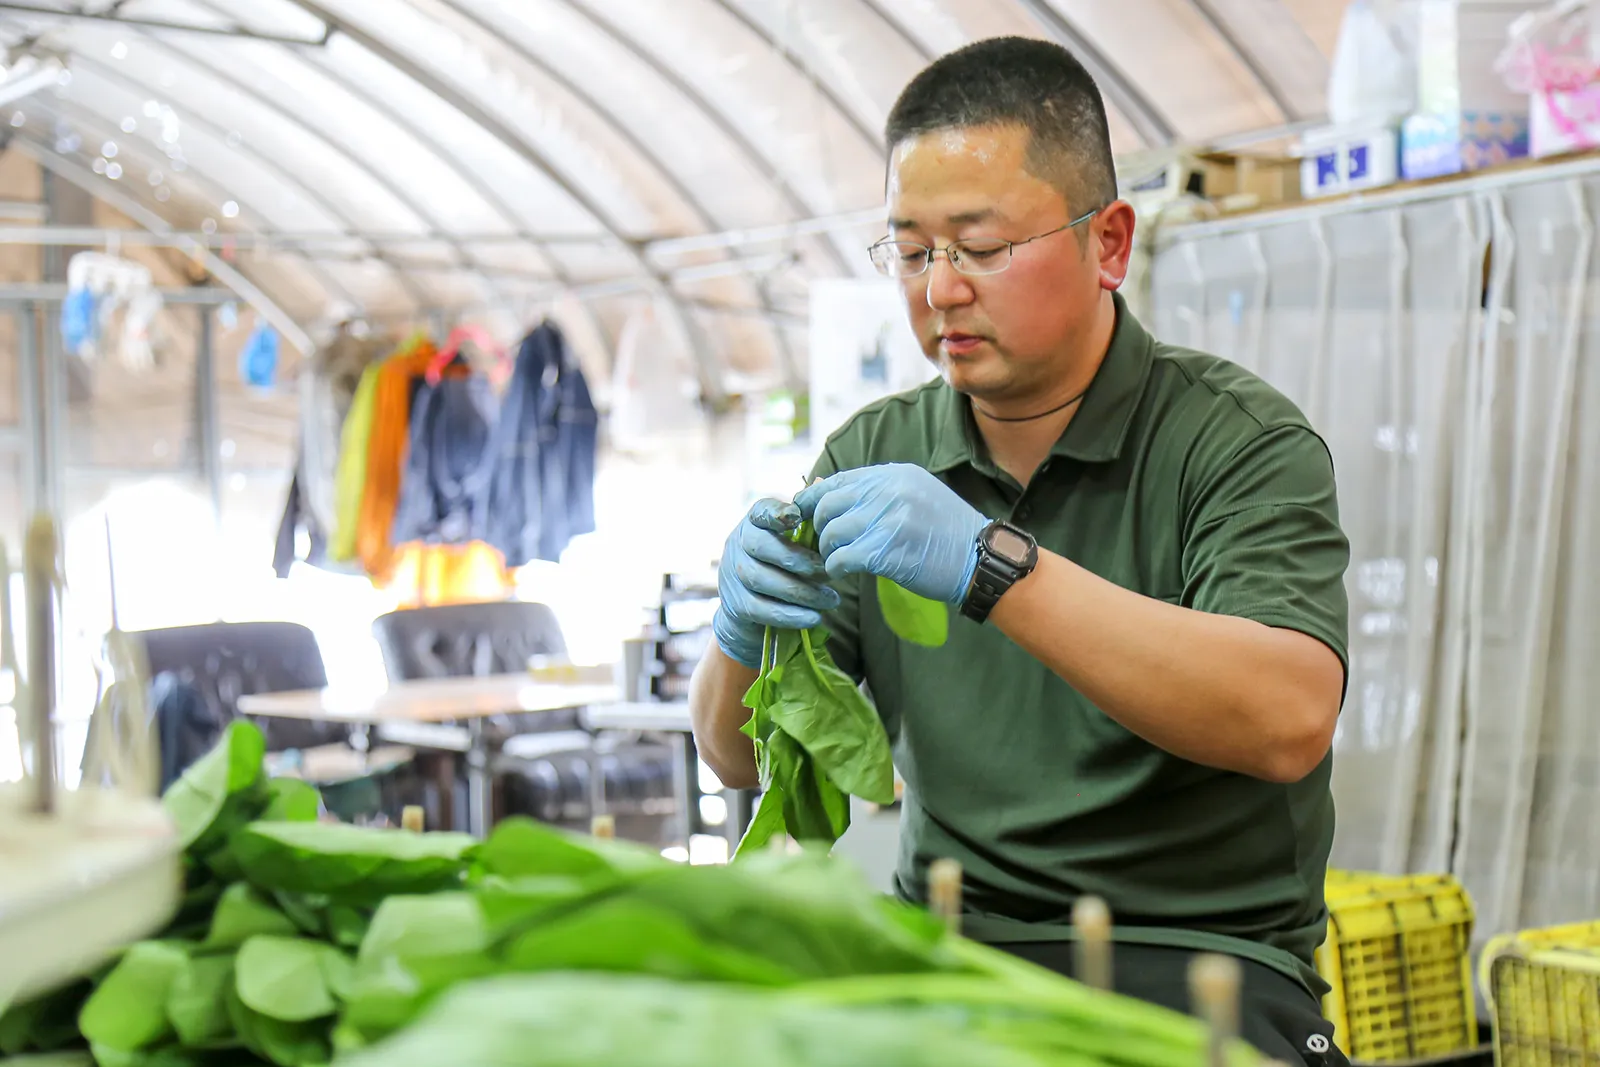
{"points": [[438, 700], [673, 717]]}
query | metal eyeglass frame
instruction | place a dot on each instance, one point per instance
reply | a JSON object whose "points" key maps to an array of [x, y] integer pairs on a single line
{"points": [[958, 247]]}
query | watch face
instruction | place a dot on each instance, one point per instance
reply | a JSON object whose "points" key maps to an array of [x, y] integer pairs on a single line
{"points": [[1008, 545]]}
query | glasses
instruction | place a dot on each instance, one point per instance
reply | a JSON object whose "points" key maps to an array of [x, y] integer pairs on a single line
{"points": [[975, 255]]}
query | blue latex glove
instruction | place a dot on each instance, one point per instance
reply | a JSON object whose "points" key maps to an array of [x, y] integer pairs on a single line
{"points": [[764, 580], [898, 522]]}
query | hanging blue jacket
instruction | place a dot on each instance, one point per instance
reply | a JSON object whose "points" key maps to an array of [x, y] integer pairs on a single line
{"points": [[446, 463], [540, 492]]}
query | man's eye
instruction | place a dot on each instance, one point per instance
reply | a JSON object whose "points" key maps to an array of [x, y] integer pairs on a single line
{"points": [[984, 253]]}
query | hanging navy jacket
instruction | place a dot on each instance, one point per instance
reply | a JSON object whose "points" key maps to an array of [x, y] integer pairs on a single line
{"points": [[447, 462], [540, 492]]}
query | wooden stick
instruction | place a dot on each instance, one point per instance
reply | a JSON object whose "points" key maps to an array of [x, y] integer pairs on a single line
{"points": [[40, 552], [1214, 989], [603, 826], [944, 892], [1092, 921], [411, 818]]}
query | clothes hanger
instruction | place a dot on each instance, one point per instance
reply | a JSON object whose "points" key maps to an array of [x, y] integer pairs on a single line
{"points": [[452, 348]]}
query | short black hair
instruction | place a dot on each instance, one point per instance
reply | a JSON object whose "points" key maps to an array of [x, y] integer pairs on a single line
{"points": [[1018, 81]]}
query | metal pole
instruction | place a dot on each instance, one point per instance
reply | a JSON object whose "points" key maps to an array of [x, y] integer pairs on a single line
{"points": [[205, 416], [36, 485]]}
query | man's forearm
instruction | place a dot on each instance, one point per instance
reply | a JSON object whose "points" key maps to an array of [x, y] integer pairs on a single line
{"points": [[716, 708], [1214, 689]]}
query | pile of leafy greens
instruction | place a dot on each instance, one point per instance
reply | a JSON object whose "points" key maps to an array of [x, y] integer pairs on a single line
{"points": [[302, 943], [818, 740]]}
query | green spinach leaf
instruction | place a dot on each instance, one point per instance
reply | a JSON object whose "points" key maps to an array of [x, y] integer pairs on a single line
{"points": [[128, 1010], [197, 1004], [520, 847], [823, 709], [243, 913], [289, 978], [768, 822], [291, 800], [221, 790], [913, 618], [349, 861], [530, 1019], [287, 1044]]}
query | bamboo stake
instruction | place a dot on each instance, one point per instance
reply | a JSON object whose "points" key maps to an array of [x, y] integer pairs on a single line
{"points": [[39, 575], [603, 826], [944, 892], [1214, 989], [1092, 921]]}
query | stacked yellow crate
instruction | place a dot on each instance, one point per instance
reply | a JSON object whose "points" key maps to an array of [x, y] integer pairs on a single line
{"points": [[1397, 958], [1543, 989]]}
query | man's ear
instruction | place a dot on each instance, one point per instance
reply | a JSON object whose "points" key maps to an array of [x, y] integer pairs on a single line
{"points": [[1113, 244]]}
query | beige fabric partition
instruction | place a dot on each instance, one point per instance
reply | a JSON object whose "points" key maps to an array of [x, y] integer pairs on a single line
{"points": [[1446, 343]]}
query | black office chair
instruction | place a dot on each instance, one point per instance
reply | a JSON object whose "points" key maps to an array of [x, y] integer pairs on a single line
{"points": [[456, 640], [223, 661], [198, 674]]}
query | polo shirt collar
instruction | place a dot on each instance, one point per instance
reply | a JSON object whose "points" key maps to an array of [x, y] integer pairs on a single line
{"points": [[1098, 430]]}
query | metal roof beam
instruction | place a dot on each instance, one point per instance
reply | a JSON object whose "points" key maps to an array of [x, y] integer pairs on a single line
{"points": [[710, 372], [635, 143], [1137, 107], [718, 118], [265, 161], [87, 119], [227, 274], [873, 137], [108, 17], [1207, 11], [467, 174], [373, 174]]}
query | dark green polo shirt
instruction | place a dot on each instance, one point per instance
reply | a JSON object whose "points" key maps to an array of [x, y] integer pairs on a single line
{"points": [[1182, 477]]}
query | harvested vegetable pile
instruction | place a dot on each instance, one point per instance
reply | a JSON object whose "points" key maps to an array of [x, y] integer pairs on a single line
{"points": [[302, 942]]}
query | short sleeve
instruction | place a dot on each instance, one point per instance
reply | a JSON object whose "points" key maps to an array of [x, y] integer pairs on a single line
{"points": [[844, 622], [1263, 541]]}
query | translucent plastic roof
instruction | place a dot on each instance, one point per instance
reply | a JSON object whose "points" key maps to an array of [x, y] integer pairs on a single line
{"points": [[495, 160]]}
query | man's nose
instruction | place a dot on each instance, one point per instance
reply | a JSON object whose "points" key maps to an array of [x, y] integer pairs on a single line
{"points": [[947, 287]]}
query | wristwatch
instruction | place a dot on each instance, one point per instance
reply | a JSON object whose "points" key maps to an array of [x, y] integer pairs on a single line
{"points": [[1006, 555]]}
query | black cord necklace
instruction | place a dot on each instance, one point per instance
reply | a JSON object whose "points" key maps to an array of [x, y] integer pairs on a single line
{"points": [[1064, 405]]}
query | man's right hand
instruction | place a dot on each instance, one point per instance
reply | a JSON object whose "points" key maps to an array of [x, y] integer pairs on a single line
{"points": [[765, 579]]}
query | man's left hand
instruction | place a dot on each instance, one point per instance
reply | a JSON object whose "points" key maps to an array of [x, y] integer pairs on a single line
{"points": [[899, 522]]}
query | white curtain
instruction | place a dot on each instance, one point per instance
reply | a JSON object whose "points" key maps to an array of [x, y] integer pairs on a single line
{"points": [[1463, 412]]}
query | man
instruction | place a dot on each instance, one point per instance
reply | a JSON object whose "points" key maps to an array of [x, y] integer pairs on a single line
{"points": [[1141, 705]]}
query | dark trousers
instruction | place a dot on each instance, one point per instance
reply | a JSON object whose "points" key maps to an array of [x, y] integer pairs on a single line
{"points": [[1276, 1014]]}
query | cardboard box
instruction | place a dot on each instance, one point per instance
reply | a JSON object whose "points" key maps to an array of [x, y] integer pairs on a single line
{"points": [[1233, 181], [1335, 160], [1433, 145]]}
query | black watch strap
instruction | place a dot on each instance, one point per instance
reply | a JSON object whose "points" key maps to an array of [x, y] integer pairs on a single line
{"points": [[997, 572]]}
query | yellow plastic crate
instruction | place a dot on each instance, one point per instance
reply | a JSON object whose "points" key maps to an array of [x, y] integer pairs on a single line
{"points": [[1396, 957], [1543, 989]]}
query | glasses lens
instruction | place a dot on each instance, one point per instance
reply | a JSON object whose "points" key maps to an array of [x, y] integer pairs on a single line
{"points": [[983, 255], [899, 259]]}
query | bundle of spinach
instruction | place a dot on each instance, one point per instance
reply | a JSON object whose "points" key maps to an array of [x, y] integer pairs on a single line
{"points": [[302, 943], [910, 1021], [250, 967], [818, 740]]}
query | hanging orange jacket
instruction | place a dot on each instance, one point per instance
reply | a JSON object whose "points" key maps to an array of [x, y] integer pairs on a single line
{"points": [[386, 447]]}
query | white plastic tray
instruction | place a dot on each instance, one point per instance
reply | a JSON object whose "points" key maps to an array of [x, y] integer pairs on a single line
{"points": [[75, 887]]}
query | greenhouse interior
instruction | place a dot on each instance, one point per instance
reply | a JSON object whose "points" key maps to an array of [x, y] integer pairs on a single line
{"points": [[849, 533]]}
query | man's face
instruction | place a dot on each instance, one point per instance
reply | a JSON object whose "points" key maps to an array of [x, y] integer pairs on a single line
{"points": [[998, 335]]}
